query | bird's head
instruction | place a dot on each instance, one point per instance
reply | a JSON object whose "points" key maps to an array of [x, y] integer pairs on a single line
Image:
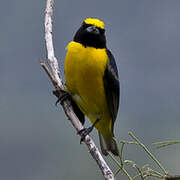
{"points": [[91, 33]]}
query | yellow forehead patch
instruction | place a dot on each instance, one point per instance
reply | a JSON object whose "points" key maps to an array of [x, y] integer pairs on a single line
{"points": [[95, 22]]}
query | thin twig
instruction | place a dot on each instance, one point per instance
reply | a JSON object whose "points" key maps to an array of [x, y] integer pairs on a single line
{"points": [[120, 166], [121, 153], [162, 144], [149, 153], [54, 75], [139, 171], [49, 74]]}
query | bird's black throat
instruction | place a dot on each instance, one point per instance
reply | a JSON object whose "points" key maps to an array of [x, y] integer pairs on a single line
{"points": [[90, 39]]}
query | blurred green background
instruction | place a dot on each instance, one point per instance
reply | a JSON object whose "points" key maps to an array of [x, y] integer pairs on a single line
{"points": [[36, 140]]}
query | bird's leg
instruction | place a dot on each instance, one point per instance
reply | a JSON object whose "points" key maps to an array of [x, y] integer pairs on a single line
{"points": [[61, 95], [84, 132]]}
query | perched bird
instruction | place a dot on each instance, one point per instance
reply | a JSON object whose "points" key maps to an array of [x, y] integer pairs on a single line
{"points": [[92, 81]]}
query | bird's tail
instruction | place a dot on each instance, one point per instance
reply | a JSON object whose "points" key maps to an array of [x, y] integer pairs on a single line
{"points": [[108, 144]]}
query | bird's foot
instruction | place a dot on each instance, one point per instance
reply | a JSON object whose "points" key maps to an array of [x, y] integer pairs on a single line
{"points": [[62, 96], [84, 132]]}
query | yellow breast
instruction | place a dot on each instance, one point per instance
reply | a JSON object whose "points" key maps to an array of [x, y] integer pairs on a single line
{"points": [[84, 70]]}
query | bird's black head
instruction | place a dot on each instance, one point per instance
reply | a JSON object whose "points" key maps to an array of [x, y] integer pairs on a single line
{"points": [[91, 33]]}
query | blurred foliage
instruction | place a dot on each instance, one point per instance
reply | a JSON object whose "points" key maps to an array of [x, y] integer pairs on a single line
{"points": [[146, 171]]}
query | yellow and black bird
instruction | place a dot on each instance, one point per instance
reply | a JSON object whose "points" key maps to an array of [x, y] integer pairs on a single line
{"points": [[92, 81]]}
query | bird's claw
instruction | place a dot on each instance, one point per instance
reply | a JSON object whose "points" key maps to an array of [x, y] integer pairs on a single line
{"points": [[84, 132], [62, 95]]}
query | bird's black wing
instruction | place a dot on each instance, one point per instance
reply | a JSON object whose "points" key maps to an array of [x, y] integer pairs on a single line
{"points": [[111, 86]]}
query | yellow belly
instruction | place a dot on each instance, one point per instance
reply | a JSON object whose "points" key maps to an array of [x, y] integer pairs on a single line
{"points": [[84, 70]]}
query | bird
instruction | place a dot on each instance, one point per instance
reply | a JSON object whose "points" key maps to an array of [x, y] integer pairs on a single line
{"points": [[91, 79]]}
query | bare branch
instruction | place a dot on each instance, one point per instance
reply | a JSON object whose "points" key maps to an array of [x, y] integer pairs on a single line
{"points": [[176, 177], [56, 80]]}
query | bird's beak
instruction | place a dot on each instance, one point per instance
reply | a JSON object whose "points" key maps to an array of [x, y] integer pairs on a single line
{"points": [[92, 29]]}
